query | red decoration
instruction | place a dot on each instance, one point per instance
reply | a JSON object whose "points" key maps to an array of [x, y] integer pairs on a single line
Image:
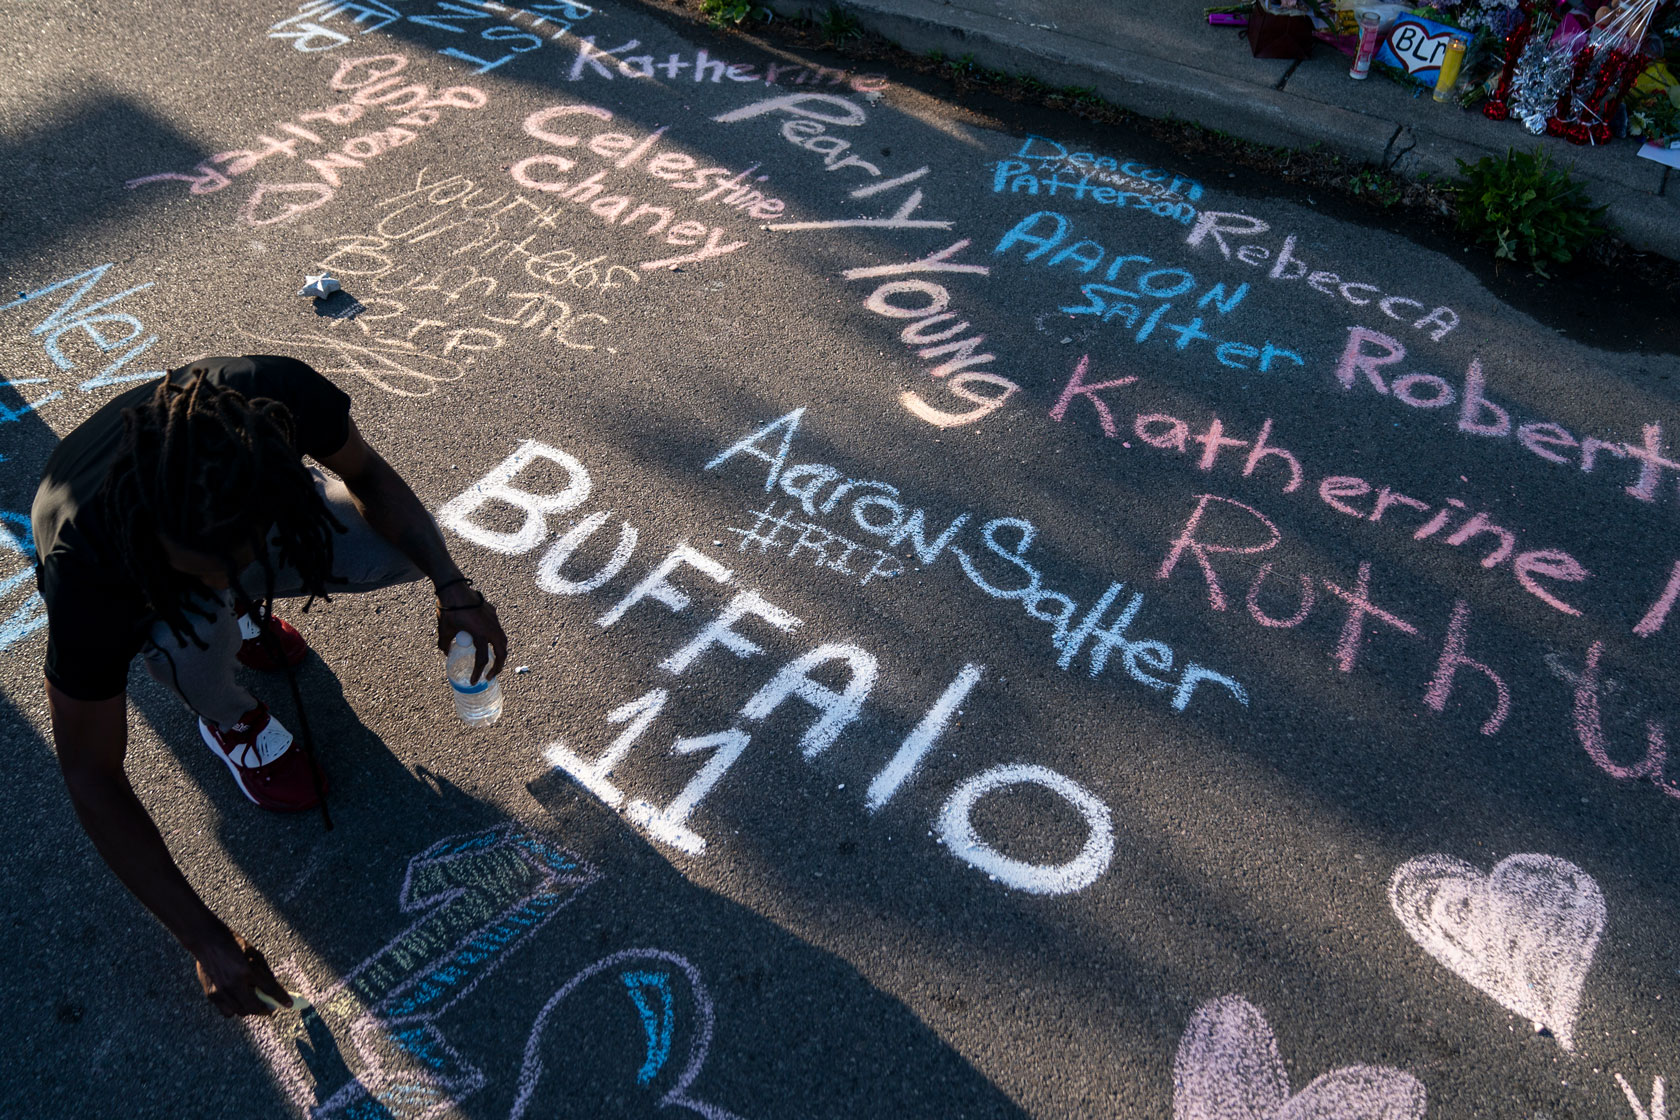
{"points": [[1558, 123], [1498, 107]]}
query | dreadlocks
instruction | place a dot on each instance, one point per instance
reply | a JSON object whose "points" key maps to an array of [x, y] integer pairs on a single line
{"points": [[217, 473], [214, 472]]}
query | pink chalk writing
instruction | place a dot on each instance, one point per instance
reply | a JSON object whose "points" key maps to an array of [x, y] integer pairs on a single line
{"points": [[1589, 729], [1225, 527], [605, 64], [1265, 453], [1658, 614], [931, 330], [1077, 387], [371, 81], [605, 196], [1370, 357], [1453, 658], [930, 333]]}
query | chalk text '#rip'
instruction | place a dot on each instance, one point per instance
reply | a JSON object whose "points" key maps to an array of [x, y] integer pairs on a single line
{"points": [[807, 538], [997, 561]]}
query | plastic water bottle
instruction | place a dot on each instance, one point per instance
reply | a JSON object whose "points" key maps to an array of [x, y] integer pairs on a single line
{"points": [[478, 705]]}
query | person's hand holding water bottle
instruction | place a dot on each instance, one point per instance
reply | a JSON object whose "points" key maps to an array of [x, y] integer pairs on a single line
{"points": [[465, 612]]}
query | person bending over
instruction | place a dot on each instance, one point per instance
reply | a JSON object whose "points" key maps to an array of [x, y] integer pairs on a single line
{"points": [[165, 526]]}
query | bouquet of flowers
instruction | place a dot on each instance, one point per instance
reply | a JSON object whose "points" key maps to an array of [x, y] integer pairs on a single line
{"points": [[1654, 106]]}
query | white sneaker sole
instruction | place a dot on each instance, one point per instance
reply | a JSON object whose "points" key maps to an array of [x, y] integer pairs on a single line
{"points": [[272, 735], [216, 749]]}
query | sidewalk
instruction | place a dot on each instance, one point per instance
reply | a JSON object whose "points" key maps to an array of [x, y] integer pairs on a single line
{"points": [[1162, 59]]}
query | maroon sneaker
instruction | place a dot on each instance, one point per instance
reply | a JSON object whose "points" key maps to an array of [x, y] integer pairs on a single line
{"points": [[253, 652], [269, 768]]}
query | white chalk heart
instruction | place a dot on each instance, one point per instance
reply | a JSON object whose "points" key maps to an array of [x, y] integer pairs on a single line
{"points": [[1524, 933], [1228, 1068]]}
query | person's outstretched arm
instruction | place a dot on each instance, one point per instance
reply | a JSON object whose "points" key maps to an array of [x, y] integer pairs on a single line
{"points": [[91, 738], [390, 505]]}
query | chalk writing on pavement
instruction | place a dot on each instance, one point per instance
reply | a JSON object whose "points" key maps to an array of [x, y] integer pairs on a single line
{"points": [[324, 25], [1228, 1066], [1524, 933], [478, 899], [373, 82], [73, 321], [17, 549], [371, 1043]]}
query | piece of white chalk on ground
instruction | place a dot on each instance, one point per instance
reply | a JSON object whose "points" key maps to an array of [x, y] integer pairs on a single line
{"points": [[523, 669], [318, 286], [298, 1002]]}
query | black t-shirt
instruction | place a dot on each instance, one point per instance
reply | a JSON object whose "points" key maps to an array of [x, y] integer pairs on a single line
{"points": [[97, 615]]}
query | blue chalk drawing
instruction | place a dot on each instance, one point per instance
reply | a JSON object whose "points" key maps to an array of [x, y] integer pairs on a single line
{"points": [[26, 619], [479, 898], [657, 1025], [71, 316], [370, 1046], [29, 617], [639, 970]]}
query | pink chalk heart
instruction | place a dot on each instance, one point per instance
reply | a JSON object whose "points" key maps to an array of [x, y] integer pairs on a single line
{"points": [[1228, 1068], [1524, 933], [261, 209]]}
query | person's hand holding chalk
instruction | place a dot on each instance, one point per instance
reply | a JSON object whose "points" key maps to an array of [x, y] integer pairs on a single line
{"points": [[298, 1002], [237, 979]]}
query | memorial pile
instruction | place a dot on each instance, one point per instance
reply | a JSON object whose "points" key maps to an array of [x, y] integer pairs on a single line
{"points": [[1581, 70]]}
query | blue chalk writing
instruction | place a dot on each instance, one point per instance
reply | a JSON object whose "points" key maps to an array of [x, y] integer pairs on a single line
{"points": [[658, 1024], [1044, 165], [1036, 235], [1051, 154], [70, 316], [25, 620], [31, 615], [997, 564], [515, 29]]}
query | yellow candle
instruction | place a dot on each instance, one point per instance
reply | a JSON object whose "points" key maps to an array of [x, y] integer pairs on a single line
{"points": [[1449, 69]]}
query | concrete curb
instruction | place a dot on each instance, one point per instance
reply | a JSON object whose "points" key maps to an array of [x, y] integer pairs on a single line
{"points": [[1390, 128]]}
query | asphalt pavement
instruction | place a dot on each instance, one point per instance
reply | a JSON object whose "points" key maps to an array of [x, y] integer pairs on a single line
{"points": [[1007, 620]]}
